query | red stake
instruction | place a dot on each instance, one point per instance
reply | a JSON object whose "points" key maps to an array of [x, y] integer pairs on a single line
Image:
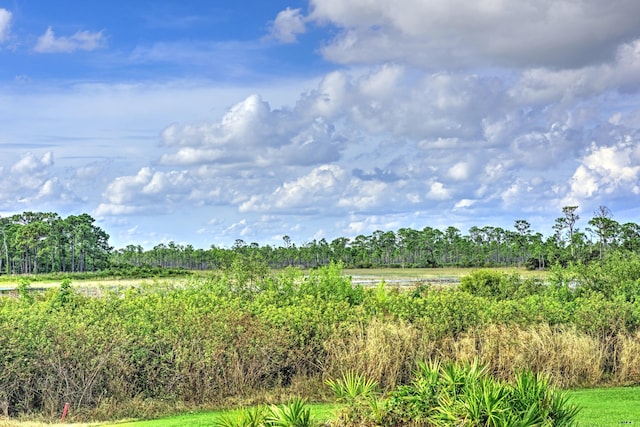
{"points": [[64, 411]]}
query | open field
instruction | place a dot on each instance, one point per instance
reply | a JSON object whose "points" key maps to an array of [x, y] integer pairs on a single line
{"points": [[87, 286], [407, 277], [427, 273], [365, 276]]}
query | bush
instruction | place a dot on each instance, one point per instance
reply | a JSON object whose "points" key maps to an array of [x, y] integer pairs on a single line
{"points": [[454, 394], [229, 336], [490, 284]]}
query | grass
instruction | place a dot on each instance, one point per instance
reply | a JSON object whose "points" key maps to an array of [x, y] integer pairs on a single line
{"points": [[604, 407], [601, 407], [319, 411], [375, 274], [430, 273]]}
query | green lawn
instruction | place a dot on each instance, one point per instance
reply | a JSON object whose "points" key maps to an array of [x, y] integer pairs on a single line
{"points": [[601, 407], [616, 406], [321, 412]]}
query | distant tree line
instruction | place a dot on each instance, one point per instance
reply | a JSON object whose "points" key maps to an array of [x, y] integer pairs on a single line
{"points": [[485, 246], [37, 242], [44, 242]]}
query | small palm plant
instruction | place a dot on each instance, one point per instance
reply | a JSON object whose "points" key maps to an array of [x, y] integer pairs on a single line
{"points": [[360, 396], [533, 394], [251, 417], [353, 387], [294, 414]]}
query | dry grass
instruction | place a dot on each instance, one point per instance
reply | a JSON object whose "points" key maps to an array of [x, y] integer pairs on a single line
{"points": [[568, 357], [99, 283], [433, 273], [385, 352], [628, 367]]}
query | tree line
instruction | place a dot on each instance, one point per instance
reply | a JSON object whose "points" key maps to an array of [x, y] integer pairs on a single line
{"points": [[485, 246], [36, 242], [44, 242]]}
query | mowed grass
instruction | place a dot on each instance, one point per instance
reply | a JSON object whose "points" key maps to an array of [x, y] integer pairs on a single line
{"points": [[601, 407], [321, 412]]}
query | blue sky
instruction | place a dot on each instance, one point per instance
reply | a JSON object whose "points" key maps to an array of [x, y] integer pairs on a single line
{"points": [[205, 122]]}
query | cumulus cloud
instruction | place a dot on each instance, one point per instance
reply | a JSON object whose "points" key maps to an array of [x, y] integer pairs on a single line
{"points": [[410, 138], [456, 33], [5, 24], [251, 132], [459, 171], [31, 164], [319, 188], [606, 170], [147, 191], [438, 191], [543, 85], [287, 25], [32, 181], [81, 40]]}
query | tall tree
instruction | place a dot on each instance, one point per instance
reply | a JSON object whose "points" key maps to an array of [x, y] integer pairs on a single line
{"points": [[524, 234], [568, 223], [605, 228]]}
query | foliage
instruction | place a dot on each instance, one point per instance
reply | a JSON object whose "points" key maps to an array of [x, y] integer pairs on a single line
{"points": [[37, 242], [250, 417], [352, 387], [206, 340], [497, 285], [44, 242], [293, 414], [453, 394]]}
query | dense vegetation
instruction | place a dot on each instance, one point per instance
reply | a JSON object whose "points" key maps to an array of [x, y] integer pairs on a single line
{"points": [[45, 242], [430, 247], [251, 335], [37, 242]]}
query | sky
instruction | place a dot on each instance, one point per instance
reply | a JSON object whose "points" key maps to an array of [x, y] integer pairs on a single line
{"points": [[205, 122]]}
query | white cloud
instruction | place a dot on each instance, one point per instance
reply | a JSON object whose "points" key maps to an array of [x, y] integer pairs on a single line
{"points": [[329, 99], [81, 40], [433, 33], [606, 170], [459, 171], [32, 182], [251, 132], [287, 25], [315, 191], [544, 85], [30, 164], [362, 196], [148, 190], [437, 191], [464, 203], [5, 24]]}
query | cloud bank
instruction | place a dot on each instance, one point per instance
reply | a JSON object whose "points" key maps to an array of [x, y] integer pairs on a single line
{"points": [[428, 112]]}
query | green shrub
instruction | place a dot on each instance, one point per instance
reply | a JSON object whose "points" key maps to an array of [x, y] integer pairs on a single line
{"points": [[453, 394]]}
